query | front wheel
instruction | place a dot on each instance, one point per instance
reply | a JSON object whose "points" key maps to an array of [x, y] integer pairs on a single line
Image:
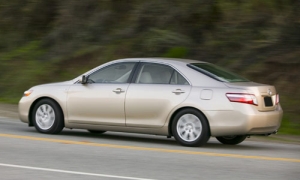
{"points": [[231, 140], [190, 128], [47, 117]]}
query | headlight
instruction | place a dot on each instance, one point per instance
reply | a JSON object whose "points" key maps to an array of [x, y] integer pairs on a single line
{"points": [[27, 93]]}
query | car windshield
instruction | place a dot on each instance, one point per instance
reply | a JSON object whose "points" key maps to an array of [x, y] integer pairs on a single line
{"points": [[217, 72]]}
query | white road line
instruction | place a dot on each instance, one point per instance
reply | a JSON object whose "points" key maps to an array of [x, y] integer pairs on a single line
{"points": [[10, 120], [72, 172]]}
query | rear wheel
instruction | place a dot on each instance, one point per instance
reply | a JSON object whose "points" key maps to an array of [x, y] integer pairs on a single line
{"points": [[231, 140], [190, 128], [96, 131], [47, 117]]}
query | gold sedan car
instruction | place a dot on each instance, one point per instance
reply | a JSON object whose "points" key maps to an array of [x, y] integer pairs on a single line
{"points": [[188, 99]]}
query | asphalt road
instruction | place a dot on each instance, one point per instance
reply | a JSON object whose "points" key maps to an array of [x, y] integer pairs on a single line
{"points": [[77, 154]]}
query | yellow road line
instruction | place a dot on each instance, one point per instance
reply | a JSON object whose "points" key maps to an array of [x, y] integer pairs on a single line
{"points": [[149, 149]]}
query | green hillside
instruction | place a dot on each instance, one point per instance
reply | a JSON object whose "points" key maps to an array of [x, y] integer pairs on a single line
{"points": [[51, 40]]}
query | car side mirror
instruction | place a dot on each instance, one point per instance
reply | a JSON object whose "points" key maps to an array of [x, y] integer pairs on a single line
{"points": [[84, 79]]}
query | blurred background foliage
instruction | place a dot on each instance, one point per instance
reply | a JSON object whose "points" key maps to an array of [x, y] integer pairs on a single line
{"points": [[52, 40]]}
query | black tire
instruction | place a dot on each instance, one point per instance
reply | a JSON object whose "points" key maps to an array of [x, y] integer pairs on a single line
{"points": [[96, 131], [231, 140], [198, 125], [52, 115]]}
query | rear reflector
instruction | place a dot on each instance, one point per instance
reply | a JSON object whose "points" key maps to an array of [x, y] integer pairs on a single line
{"points": [[242, 98], [277, 99]]}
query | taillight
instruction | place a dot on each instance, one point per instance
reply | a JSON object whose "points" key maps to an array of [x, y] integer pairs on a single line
{"points": [[242, 98], [277, 99]]}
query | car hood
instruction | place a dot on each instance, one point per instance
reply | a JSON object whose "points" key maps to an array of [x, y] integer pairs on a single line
{"points": [[55, 84]]}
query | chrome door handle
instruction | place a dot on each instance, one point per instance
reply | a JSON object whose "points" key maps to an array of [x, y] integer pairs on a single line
{"points": [[118, 90], [178, 91]]}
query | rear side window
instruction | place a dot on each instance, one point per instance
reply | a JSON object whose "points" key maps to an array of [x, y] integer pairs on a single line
{"points": [[152, 73], [217, 72], [178, 79]]}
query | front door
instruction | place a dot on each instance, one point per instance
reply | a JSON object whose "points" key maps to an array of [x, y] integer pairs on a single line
{"points": [[101, 100]]}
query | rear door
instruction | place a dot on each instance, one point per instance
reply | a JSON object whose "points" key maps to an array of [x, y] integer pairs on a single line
{"points": [[156, 90]]}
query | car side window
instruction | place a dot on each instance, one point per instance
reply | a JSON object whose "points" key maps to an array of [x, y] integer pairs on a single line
{"points": [[115, 73], [178, 79], [151, 73]]}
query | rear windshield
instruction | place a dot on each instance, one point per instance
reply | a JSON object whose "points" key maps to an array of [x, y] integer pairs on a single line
{"points": [[217, 72]]}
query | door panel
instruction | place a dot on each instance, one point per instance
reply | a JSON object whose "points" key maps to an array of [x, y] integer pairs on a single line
{"points": [[148, 105], [97, 104]]}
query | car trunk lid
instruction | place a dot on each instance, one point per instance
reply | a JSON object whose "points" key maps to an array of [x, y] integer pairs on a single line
{"points": [[265, 94]]}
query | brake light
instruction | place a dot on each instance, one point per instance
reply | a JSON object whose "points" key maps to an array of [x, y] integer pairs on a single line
{"points": [[242, 98], [277, 99]]}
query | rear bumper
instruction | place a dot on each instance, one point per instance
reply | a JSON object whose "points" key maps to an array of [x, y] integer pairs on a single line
{"points": [[246, 121]]}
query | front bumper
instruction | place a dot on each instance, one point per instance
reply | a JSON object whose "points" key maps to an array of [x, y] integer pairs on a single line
{"points": [[24, 108]]}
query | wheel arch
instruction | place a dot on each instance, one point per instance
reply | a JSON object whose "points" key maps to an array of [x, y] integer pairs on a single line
{"points": [[180, 109], [30, 122]]}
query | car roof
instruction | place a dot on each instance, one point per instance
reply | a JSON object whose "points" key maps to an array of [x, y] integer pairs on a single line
{"points": [[166, 60]]}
